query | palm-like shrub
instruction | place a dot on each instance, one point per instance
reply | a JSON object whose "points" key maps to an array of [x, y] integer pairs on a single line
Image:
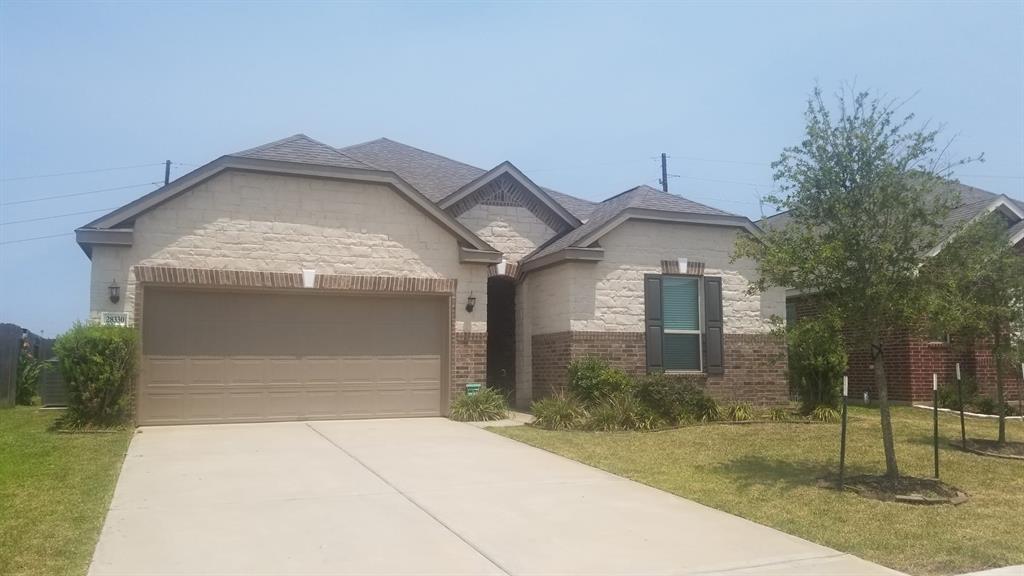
{"points": [[741, 412], [486, 404], [710, 411], [824, 413], [559, 412], [621, 411]]}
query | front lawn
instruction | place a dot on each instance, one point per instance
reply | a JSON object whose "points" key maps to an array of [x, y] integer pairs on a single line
{"points": [[767, 472], [54, 492]]}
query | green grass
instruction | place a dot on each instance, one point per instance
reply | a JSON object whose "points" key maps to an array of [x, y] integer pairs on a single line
{"points": [[768, 472], [54, 492]]}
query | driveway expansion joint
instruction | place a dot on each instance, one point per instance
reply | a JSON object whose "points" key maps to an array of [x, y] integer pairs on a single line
{"points": [[411, 500]]}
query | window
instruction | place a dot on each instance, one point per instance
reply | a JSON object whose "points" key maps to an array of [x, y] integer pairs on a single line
{"points": [[683, 322]]}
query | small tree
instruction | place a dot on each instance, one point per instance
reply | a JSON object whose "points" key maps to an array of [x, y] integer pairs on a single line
{"points": [[978, 295], [866, 200]]}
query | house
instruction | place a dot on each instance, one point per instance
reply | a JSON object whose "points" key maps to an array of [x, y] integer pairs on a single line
{"points": [[912, 358], [296, 280]]}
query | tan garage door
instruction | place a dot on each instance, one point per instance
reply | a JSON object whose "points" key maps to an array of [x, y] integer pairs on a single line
{"points": [[251, 357]]}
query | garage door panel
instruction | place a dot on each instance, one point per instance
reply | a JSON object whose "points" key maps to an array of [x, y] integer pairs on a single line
{"points": [[206, 370], [245, 371], [227, 357], [204, 405]]}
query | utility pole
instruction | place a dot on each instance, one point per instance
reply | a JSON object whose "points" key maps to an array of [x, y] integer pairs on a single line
{"points": [[664, 172], [167, 172]]}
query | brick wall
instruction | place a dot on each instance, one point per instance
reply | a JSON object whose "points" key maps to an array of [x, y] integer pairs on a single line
{"points": [[551, 356], [754, 370], [469, 360], [910, 361]]}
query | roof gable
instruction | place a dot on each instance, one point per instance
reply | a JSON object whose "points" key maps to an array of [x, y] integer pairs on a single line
{"points": [[116, 227], [643, 203], [438, 177], [507, 180]]}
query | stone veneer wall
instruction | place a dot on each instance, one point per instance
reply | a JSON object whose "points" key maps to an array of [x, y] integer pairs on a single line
{"points": [[755, 364], [257, 222]]}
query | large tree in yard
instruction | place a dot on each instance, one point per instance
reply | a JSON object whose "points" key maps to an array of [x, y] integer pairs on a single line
{"points": [[978, 295], [867, 195]]}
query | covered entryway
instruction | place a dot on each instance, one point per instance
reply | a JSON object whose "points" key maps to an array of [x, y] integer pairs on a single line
{"points": [[219, 356]]}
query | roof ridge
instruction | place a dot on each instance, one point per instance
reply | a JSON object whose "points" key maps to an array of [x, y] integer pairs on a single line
{"points": [[418, 149], [272, 144], [296, 137]]}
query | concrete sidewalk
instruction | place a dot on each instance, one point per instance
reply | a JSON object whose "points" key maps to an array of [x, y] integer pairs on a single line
{"points": [[413, 496]]}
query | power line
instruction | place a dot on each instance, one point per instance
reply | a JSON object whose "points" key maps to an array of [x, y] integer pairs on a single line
{"points": [[54, 175], [41, 218], [19, 240], [54, 197]]}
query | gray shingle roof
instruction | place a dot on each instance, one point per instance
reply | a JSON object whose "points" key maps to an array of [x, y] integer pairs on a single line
{"points": [[432, 174], [1017, 228], [640, 197], [972, 202], [437, 176], [304, 150]]}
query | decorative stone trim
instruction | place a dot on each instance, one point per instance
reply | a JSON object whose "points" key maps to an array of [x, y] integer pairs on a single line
{"points": [[257, 279], [506, 191], [693, 268], [511, 270]]}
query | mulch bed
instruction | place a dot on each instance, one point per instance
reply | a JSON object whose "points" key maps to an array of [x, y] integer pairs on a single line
{"points": [[906, 489], [1011, 450]]}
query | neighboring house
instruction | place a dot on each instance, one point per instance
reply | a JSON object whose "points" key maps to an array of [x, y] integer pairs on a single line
{"points": [[297, 281], [911, 358]]}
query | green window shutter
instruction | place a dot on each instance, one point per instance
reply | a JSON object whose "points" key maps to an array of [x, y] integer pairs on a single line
{"points": [[653, 322], [681, 301], [714, 350]]}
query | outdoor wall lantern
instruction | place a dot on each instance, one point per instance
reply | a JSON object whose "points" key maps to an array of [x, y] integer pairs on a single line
{"points": [[115, 291], [470, 302]]}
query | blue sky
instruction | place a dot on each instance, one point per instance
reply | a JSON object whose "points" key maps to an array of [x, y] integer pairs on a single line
{"points": [[582, 97]]}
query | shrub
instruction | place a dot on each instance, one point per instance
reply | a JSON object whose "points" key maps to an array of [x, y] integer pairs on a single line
{"points": [[621, 411], [817, 360], [591, 379], [560, 412], [824, 413], [778, 414], [98, 364], [709, 410], [949, 396], [742, 412], [986, 405], [672, 397], [27, 378], [486, 404]]}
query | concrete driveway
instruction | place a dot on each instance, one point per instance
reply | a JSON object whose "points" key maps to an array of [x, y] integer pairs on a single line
{"points": [[414, 496]]}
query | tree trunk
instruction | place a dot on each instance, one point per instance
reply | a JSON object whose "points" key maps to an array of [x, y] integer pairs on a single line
{"points": [[997, 353], [891, 469]]}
